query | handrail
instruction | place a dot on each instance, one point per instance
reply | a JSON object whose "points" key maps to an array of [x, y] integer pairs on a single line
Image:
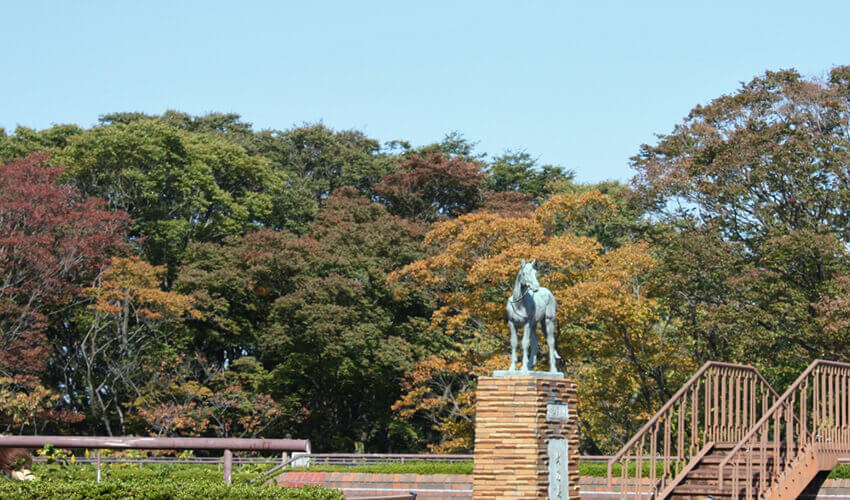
{"points": [[779, 402], [159, 443], [717, 404], [824, 401]]}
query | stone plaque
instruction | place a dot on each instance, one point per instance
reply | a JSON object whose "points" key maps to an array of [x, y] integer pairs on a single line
{"points": [[557, 411], [559, 476]]}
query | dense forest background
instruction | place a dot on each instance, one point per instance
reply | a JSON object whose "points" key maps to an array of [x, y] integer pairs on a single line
{"points": [[188, 275]]}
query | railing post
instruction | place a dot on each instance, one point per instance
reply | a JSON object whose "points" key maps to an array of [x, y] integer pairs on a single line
{"points": [[98, 464], [228, 466]]}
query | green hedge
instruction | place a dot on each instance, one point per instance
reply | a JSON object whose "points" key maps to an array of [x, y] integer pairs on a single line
{"points": [[152, 482], [152, 472], [144, 489]]}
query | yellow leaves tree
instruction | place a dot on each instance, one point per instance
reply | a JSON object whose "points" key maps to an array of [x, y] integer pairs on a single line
{"points": [[130, 317], [132, 289], [612, 331], [27, 405]]}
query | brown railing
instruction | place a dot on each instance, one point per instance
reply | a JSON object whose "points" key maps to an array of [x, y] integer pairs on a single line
{"points": [[720, 403], [808, 427], [227, 445]]}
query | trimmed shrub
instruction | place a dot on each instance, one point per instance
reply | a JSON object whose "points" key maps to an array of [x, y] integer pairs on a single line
{"points": [[144, 489]]}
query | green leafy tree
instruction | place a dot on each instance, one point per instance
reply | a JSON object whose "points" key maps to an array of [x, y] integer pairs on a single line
{"points": [[325, 159], [518, 171], [316, 310], [26, 141], [754, 191], [453, 145], [178, 186]]}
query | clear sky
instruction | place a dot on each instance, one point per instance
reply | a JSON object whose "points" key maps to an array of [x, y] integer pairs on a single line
{"points": [[579, 84]]}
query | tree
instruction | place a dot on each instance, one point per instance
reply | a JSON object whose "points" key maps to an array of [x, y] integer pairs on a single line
{"points": [[178, 186], [228, 403], [754, 191], [27, 405], [610, 322], [53, 241], [432, 186], [508, 203], [518, 171], [325, 160], [227, 126], [453, 145], [317, 312], [130, 323], [26, 141]]}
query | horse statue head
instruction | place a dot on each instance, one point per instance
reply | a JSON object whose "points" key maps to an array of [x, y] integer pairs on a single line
{"points": [[526, 279]]}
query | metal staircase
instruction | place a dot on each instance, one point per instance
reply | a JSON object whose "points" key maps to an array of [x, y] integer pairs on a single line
{"points": [[736, 438]]}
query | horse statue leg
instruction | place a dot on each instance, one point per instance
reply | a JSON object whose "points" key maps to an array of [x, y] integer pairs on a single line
{"points": [[526, 340], [513, 345], [534, 345], [550, 339]]}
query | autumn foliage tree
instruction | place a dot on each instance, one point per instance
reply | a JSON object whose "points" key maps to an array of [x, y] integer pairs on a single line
{"points": [[611, 325], [754, 190], [431, 186], [181, 399], [53, 243], [319, 284], [130, 322]]}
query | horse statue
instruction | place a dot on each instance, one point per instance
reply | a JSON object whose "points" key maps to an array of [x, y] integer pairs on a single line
{"points": [[529, 306]]}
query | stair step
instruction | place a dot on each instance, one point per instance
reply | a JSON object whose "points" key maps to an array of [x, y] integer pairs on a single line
{"points": [[705, 489], [693, 496], [712, 470], [716, 459]]}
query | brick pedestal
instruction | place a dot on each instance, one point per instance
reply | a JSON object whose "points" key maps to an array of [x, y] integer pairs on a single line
{"points": [[513, 434]]}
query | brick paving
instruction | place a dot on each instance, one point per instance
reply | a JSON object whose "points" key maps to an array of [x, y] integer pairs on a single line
{"points": [[459, 486]]}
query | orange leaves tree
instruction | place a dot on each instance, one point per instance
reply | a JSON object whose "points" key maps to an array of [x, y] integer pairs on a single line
{"points": [[131, 325], [612, 331]]}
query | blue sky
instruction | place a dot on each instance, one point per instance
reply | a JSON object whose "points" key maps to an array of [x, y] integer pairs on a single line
{"points": [[579, 84]]}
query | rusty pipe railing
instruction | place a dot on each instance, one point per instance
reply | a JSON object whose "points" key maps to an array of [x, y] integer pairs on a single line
{"points": [[227, 445], [811, 417], [719, 403]]}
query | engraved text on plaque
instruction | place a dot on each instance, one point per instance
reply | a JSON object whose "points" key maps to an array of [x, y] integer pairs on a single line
{"points": [[559, 477]]}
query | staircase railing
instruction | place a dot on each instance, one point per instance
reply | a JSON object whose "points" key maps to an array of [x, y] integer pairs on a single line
{"points": [[719, 403], [810, 421]]}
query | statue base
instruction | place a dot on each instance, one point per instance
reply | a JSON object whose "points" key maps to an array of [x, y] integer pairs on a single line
{"points": [[526, 437], [533, 374]]}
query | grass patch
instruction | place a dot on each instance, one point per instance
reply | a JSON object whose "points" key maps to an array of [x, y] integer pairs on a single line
{"points": [[396, 468], [600, 469], [841, 471], [595, 469]]}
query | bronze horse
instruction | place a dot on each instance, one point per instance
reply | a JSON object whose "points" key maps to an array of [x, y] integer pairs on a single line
{"points": [[529, 306]]}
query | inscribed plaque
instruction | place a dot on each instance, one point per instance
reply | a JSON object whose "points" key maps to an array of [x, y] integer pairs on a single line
{"points": [[559, 476]]}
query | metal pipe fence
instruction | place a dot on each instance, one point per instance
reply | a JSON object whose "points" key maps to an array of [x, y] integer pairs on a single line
{"points": [[344, 459], [227, 445]]}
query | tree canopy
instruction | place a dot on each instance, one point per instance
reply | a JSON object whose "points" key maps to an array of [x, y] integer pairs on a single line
{"points": [[189, 275]]}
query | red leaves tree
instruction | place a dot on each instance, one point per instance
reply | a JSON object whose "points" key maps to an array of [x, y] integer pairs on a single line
{"points": [[430, 186], [53, 242]]}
